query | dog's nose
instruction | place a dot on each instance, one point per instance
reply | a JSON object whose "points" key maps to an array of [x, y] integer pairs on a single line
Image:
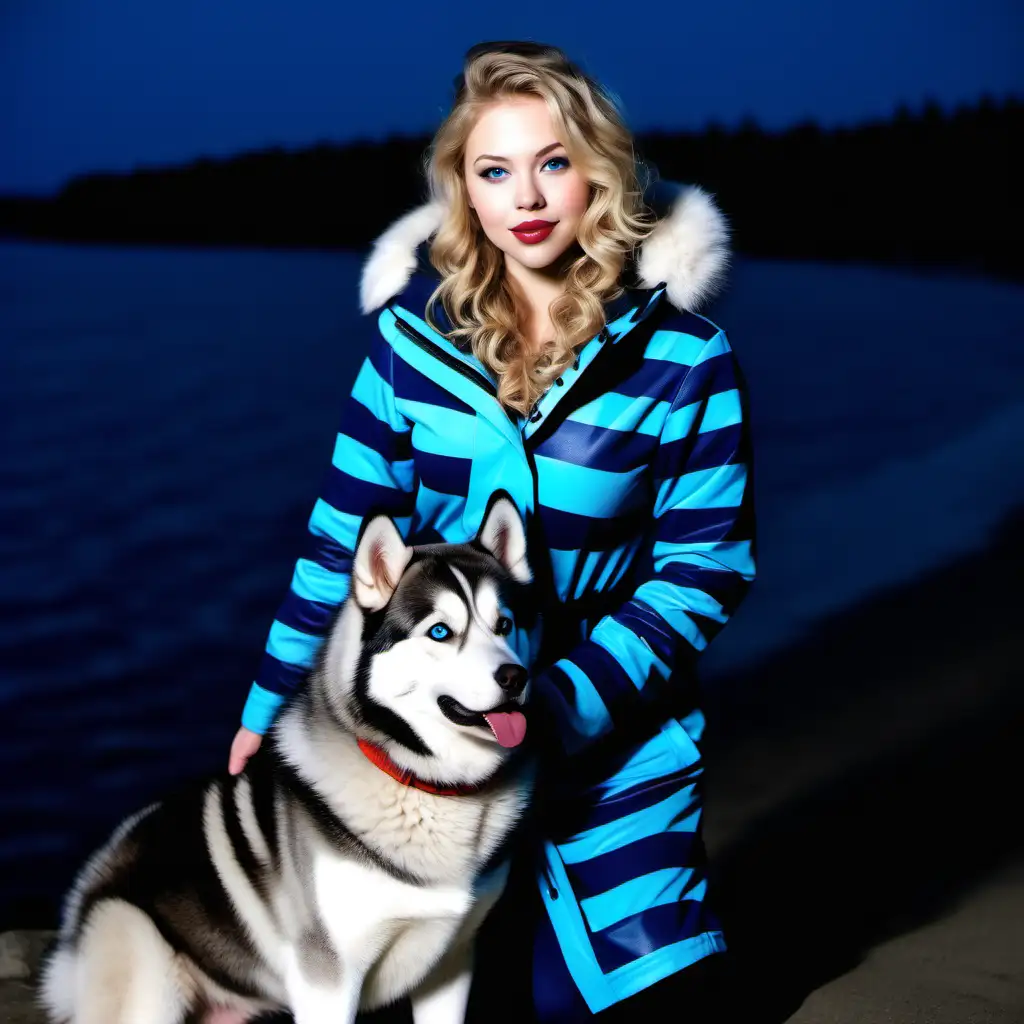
{"points": [[511, 678]]}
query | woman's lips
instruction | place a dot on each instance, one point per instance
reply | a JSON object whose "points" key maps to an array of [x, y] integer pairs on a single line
{"points": [[531, 234]]}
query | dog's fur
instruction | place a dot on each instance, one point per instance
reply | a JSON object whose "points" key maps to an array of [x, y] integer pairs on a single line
{"points": [[315, 881]]}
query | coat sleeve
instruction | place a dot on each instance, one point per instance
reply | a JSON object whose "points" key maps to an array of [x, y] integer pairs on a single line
{"points": [[701, 562], [371, 471]]}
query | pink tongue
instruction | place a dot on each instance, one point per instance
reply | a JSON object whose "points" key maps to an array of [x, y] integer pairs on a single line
{"points": [[509, 727]]}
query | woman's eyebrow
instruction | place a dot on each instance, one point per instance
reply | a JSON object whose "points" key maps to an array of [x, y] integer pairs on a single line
{"points": [[540, 152]]}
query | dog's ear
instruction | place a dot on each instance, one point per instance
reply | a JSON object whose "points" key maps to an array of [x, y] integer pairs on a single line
{"points": [[381, 558], [503, 535]]}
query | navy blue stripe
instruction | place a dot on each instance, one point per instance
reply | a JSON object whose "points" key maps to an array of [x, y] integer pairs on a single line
{"points": [[708, 378], [652, 853], [655, 379], [701, 451], [716, 448], [567, 531], [448, 474], [650, 626], [637, 798], [358, 497], [379, 356], [278, 677], [649, 930], [326, 551], [685, 525], [726, 587], [304, 615], [413, 386], [582, 444], [363, 426], [425, 535], [614, 684]]}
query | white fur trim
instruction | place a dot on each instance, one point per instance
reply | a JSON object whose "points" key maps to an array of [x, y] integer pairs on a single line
{"points": [[688, 250], [393, 257]]}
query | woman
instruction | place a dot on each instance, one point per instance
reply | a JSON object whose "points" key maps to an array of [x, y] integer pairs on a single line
{"points": [[536, 335]]}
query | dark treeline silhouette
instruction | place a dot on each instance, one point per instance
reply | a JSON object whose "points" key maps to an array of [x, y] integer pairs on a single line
{"points": [[921, 188]]}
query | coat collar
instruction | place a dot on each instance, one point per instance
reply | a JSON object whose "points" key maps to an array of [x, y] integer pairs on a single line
{"points": [[687, 253]]}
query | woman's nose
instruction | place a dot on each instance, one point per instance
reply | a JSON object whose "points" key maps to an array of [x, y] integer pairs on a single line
{"points": [[529, 196]]}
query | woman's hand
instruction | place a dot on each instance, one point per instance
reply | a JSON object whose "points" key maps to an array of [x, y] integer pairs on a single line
{"points": [[244, 745]]}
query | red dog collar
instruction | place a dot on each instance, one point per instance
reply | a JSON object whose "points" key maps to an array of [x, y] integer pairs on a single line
{"points": [[406, 777]]}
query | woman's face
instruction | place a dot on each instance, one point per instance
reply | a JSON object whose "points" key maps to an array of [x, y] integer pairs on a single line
{"points": [[517, 174]]}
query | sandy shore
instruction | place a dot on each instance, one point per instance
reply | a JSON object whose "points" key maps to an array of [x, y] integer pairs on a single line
{"points": [[861, 795]]}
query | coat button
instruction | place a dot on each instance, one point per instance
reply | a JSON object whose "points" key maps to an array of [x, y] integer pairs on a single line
{"points": [[559, 382], [535, 415]]}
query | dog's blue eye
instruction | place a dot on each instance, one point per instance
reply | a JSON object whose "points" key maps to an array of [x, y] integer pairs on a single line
{"points": [[504, 626], [439, 631]]}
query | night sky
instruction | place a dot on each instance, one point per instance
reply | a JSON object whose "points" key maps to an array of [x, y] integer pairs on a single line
{"points": [[112, 84]]}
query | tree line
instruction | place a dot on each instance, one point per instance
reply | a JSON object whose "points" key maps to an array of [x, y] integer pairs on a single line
{"points": [[923, 188]]}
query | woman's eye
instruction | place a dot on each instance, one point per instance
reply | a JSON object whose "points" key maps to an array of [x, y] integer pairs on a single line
{"points": [[439, 631], [504, 626], [488, 175], [562, 161]]}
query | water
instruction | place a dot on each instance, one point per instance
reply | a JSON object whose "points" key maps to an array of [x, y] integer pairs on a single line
{"points": [[167, 416]]}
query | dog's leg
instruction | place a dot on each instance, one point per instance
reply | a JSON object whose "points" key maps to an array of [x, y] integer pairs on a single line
{"points": [[443, 996], [322, 988], [124, 972]]}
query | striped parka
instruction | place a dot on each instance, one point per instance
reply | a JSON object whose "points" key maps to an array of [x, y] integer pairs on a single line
{"points": [[633, 474]]}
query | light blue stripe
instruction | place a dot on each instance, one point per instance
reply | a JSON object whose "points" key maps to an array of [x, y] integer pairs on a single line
{"points": [[635, 657], [371, 390], [589, 717], [312, 582], [678, 812], [724, 555], [291, 646], [680, 423], [584, 490], [441, 431], [655, 889], [675, 347], [341, 527], [622, 412], [720, 487], [563, 564], [722, 410], [363, 462], [261, 707], [654, 758], [441, 511], [717, 346], [590, 563], [674, 603], [659, 964]]}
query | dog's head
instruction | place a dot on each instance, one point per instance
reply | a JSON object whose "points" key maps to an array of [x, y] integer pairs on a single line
{"points": [[423, 659]]}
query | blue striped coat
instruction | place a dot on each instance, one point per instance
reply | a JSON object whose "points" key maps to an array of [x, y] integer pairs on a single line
{"points": [[633, 474]]}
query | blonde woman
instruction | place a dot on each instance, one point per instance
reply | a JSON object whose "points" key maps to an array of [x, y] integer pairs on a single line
{"points": [[536, 333]]}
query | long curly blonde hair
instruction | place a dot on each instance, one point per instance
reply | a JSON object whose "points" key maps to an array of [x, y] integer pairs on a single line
{"points": [[474, 290]]}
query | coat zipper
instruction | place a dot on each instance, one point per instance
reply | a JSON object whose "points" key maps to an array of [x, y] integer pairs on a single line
{"points": [[445, 357]]}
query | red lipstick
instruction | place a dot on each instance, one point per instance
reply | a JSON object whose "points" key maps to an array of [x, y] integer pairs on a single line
{"points": [[533, 231]]}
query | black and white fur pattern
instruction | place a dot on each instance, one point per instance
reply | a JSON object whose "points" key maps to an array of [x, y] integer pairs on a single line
{"points": [[314, 881]]}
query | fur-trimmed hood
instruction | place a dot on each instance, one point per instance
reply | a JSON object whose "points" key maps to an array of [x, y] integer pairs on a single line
{"points": [[688, 250]]}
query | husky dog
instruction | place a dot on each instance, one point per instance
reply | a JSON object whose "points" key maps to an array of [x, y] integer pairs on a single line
{"points": [[352, 861]]}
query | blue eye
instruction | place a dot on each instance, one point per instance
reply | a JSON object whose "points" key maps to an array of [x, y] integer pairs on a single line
{"points": [[564, 161], [504, 626], [487, 173], [439, 631]]}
